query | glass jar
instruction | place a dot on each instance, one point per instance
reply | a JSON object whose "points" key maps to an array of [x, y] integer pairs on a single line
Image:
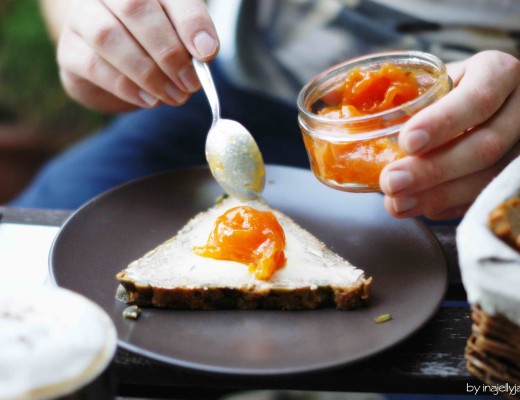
{"points": [[349, 152]]}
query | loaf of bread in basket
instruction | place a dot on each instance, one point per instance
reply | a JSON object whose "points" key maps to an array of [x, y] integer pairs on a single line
{"points": [[489, 257]]}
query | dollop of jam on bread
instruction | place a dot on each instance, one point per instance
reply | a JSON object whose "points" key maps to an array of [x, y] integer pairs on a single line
{"points": [[250, 237]]}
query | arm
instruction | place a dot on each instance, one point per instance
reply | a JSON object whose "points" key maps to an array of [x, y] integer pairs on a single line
{"points": [[117, 55], [459, 144]]}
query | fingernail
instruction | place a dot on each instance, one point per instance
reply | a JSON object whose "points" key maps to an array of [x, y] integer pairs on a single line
{"points": [[205, 44], [148, 98], [175, 93], [416, 141], [397, 181], [189, 79], [403, 204]]}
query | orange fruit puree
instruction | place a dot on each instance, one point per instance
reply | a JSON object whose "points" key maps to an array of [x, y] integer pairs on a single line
{"points": [[370, 92], [363, 93], [356, 162], [248, 236]]}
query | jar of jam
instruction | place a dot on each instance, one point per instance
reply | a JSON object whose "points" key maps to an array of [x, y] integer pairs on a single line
{"points": [[350, 115]]}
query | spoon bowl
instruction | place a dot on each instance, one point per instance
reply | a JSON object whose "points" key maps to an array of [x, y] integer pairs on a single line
{"points": [[233, 156]]}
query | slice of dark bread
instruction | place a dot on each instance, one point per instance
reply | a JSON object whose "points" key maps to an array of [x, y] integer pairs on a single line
{"points": [[173, 276]]}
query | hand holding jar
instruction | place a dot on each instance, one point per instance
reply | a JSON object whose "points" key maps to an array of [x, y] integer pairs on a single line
{"points": [[456, 146], [428, 149]]}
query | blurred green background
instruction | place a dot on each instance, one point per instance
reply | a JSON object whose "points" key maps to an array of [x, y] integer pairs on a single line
{"points": [[37, 119]]}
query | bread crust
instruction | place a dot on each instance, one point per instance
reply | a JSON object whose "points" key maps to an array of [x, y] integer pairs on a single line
{"points": [[215, 298]]}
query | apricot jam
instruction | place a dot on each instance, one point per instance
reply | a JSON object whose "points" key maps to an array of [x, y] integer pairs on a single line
{"points": [[356, 162], [350, 115], [250, 237], [370, 92], [362, 93]]}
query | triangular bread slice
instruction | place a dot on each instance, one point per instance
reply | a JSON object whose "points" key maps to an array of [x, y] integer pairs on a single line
{"points": [[173, 276]]}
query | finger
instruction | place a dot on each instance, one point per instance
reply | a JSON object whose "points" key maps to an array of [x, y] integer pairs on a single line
{"points": [[76, 58], [455, 71], [452, 213], [92, 96], [450, 198], [438, 199], [444, 214], [151, 28], [105, 34], [194, 26], [473, 151], [487, 81]]}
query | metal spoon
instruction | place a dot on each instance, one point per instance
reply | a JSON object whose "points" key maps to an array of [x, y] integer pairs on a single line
{"points": [[232, 154]]}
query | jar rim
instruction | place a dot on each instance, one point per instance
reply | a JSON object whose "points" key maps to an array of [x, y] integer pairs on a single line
{"points": [[407, 109]]}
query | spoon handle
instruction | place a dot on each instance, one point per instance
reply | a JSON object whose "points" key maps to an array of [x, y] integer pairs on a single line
{"points": [[204, 75]]}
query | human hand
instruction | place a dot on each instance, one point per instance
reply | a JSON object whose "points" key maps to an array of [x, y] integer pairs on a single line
{"points": [[116, 55], [445, 170]]}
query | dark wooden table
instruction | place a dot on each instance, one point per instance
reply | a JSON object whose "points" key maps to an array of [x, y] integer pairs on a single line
{"points": [[431, 361]]}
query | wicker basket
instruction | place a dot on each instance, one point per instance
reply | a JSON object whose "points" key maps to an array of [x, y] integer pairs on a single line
{"points": [[493, 350]]}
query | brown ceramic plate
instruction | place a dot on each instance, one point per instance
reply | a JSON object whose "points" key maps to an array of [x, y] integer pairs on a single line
{"points": [[402, 256]]}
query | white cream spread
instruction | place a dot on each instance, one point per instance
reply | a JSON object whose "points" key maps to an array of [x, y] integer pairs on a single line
{"points": [[490, 268], [53, 342], [174, 263]]}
